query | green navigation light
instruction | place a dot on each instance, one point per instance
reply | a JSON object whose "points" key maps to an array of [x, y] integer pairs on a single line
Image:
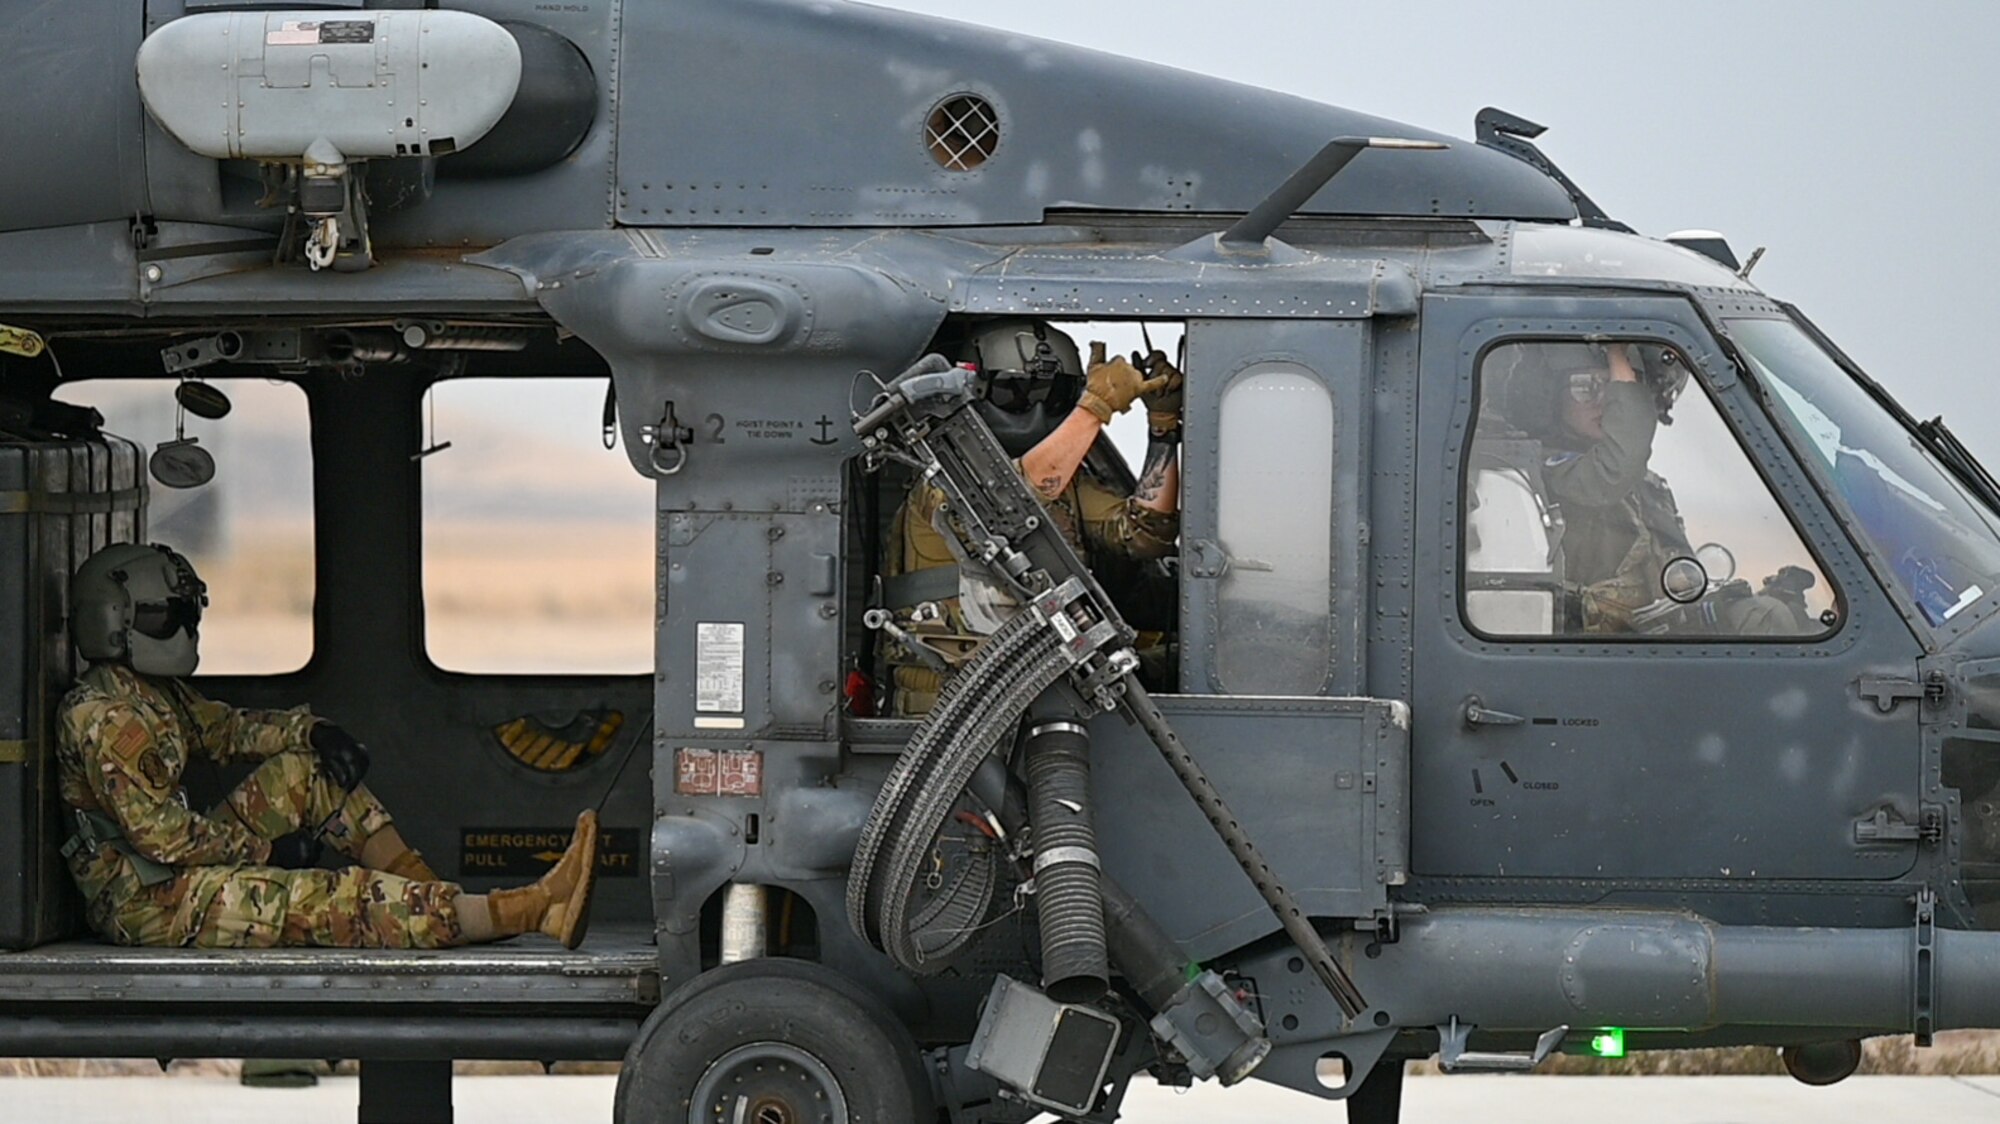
{"points": [[1608, 1043]]}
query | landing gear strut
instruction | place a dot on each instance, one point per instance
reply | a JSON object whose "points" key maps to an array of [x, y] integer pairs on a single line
{"points": [[1380, 1098]]}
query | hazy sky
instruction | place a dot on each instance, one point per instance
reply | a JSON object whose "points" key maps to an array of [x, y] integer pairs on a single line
{"points": [[1857, 141]]}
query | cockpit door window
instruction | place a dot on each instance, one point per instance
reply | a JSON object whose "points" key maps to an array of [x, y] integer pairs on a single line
{"points": [[1605, 496]]}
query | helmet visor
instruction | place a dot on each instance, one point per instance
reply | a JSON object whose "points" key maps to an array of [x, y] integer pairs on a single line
{"points": [[1017, 392], [162, 619]]}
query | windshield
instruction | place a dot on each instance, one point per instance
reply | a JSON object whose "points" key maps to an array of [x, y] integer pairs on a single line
{"points": [[1942, 546]]}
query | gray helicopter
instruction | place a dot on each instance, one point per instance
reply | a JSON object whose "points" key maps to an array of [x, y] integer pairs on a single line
{"points": [[1545, 641]]}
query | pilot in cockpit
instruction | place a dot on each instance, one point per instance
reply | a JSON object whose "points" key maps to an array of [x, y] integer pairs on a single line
{"points": [[1595, 409], [1048, 412]]}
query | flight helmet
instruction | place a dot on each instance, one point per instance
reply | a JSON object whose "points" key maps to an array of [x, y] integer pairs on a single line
{"points": [[1030, 377], [1528, 383], [140, 606]]}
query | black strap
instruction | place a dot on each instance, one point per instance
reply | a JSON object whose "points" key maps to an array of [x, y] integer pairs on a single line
{"points": [[907, 591]]}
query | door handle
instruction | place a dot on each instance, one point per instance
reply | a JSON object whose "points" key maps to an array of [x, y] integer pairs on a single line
{"points": [[1477, 715]]}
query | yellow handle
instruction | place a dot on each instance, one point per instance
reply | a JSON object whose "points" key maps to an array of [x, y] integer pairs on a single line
{"points": [[20, 341]]}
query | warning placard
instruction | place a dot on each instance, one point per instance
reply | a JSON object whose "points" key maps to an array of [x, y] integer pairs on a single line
{"points": [[312, 33], [528, 852], [719, 772], [718, 667]]}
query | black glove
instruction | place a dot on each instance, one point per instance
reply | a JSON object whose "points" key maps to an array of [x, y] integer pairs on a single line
{"points": [[297, 851], [342, 760]]}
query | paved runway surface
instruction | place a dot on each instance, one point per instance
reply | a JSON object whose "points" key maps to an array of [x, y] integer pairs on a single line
{"points": [[1488, 1100]]}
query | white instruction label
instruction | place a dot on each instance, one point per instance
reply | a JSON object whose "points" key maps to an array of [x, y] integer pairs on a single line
{"points": [[718, 677]]}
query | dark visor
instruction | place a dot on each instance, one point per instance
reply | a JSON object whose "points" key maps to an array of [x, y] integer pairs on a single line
{"points": [[162, 619], [1017, 391]]}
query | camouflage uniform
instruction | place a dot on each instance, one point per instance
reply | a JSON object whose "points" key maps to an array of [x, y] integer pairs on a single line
{"points": [[180, 877], [1621, 526], [1101, 524]]}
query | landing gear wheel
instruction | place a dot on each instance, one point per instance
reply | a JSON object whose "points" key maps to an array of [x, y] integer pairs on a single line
{"points": [[773, 1041], [1380, 1098]]}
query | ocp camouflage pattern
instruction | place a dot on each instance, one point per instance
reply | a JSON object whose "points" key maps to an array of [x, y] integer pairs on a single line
{"points": [[124, 742]]}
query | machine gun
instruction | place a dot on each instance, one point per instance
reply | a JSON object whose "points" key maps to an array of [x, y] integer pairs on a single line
{"points": [[1066, 654]]}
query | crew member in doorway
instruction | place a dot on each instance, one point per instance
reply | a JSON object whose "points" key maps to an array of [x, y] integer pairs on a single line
{"points": [[245, 873], [1048, 412]]}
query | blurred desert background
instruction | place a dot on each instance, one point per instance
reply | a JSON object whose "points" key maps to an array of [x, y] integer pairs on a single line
{"points": [[538, 547]]}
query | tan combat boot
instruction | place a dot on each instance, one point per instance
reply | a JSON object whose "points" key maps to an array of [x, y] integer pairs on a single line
{"points": [[558, 904]]}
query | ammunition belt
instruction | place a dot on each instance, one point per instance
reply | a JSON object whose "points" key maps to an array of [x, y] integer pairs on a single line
{"points": [[978, 706]]}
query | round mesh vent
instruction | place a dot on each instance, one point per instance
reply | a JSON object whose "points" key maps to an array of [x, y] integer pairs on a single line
{"points": [[963, 132]]}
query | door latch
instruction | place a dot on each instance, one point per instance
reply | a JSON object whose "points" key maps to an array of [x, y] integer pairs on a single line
{"points": [[1885, 691], [1476, 714], [1886, 825]]}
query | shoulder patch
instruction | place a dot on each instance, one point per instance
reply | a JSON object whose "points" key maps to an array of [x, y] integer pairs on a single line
{"points": [[154, 769], [130, 739]]}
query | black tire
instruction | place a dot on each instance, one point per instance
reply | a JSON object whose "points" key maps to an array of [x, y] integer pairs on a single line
{"points": [[799, 1040]]}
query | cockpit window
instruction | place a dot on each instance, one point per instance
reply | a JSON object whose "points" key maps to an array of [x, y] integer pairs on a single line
{"points": [[1604, 496], [1942, 546], [1580, 252]]}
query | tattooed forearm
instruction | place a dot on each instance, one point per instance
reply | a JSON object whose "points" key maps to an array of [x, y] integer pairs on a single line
{"points": [[1049, 486], [1153, 476]]}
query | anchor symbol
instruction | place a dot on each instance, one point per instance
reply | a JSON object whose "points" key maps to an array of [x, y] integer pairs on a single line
{"points": [[825, 424]]}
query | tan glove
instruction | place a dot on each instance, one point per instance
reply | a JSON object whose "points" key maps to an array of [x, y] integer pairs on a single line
{"points": [[1113, 385], [1163, 404]]}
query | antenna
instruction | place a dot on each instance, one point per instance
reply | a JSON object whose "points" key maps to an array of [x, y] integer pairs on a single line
{"points": [[1514, 135], [1305, 183]]}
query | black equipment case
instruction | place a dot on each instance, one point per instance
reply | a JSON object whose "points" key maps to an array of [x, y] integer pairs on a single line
{"points": [[60, 500]]}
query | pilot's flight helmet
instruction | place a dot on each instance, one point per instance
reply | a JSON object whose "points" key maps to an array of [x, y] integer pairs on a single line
{"points": [[1527, 384], [1030, 377], [140, 606]]}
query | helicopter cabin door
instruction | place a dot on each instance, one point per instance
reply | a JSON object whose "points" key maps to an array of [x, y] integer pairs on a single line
{"points": [[1638, 629], [1271, 555], [1269, 657]]}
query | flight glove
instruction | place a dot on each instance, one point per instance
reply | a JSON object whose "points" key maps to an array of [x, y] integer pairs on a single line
{"points": [[1163, 404], [342, 760], [297, 851], [1113, 385]]}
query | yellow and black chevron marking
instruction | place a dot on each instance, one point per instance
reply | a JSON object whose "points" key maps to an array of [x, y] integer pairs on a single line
{"points": [[534, 742]]}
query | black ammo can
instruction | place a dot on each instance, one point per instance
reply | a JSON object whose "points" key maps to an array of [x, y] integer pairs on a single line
{"points": [[61, 498]]}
